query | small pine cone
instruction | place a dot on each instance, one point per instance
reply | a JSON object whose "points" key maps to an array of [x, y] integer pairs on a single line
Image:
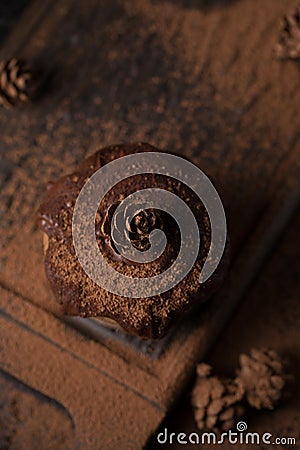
{"points": [[141, 226], [138, 229], [262, 375], [18, 83], [217, 402], [288, 46]]}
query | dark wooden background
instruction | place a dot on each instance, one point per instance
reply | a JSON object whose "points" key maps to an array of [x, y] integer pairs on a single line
{"points": [[194, 77]]}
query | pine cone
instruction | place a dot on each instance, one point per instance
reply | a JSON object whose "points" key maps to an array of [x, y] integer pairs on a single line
{"points": [[262, 375], [288, 46], [18, 83], [217, 402], [138, 229]]}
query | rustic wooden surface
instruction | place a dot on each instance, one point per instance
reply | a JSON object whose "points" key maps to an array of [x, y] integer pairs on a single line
{"points": [[198, 79]]}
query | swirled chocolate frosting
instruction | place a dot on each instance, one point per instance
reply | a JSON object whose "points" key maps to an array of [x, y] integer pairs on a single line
{"points": [[78, 294]]}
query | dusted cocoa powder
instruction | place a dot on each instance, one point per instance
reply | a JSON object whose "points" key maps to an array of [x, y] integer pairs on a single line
{"points": [[78, 294]]}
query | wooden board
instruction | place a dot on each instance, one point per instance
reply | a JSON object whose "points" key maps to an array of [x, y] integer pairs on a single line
{"points": [[196, 79]]}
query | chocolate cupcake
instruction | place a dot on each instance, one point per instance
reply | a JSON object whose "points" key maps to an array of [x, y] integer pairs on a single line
{"points": [[78, 294]]}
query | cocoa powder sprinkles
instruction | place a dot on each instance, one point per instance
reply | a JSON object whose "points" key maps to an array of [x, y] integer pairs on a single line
{"points": [[78, 294]]}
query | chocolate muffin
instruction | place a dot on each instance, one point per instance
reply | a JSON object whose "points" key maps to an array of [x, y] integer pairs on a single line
{"points": [[148, 317]]}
